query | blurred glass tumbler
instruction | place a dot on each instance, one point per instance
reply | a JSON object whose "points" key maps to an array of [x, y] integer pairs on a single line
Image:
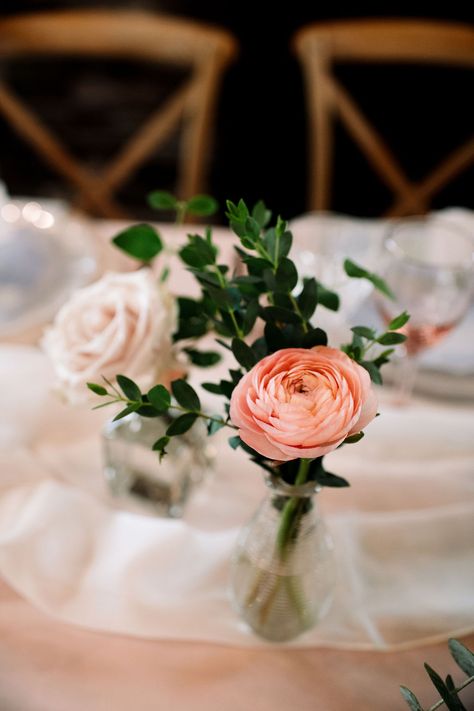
{"points": [[134, 472], [428, 264]]}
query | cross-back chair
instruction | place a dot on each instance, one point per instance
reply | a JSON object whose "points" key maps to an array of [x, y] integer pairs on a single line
{"points": [[123, 35], [320, 47]]}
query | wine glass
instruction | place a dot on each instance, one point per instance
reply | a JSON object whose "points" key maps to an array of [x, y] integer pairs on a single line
{"points": [[428, 264]]}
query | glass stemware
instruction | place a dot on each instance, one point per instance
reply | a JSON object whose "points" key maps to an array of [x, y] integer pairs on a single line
{"points": [[428, 264]]}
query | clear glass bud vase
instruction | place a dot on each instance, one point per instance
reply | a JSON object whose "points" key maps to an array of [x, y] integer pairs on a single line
{"points": [[283, 568]]}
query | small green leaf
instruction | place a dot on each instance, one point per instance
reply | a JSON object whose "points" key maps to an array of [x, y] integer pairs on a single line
{"points": [[411, 699], [315, 337], [160, 444], [308, 298], [212, 388], [399, 321], [463, 656], [126, 411], [276, 313], [203, 359], [260, 214], [250, 316], [327, 298], [356, 272], [252, 230], [202, 205], [243, 353], [391, 338], [97, 389], [159, 398], [140, 241], [182, 424], [352, 439], [327, 479], [161, 200], [185, 395], [372, 370], [441, 688], [129, 388], [235, 441], [286, 276], [215, 425], [364, 332]]}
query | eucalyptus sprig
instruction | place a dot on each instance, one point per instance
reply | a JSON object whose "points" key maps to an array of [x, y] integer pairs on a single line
{"points": [[447, 689], [229, 305]]}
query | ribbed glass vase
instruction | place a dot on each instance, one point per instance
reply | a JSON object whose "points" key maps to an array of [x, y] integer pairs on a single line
{"points": [[283, 568]]}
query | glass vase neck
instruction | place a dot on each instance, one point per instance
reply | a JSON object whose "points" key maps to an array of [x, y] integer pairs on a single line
{"points": [[282, 488]]}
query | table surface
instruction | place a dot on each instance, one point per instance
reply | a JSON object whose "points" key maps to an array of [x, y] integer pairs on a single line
{"points": [[49, 666]]}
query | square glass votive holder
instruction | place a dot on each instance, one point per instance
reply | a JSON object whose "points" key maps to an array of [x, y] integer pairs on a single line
{"points": [[134, 472]]}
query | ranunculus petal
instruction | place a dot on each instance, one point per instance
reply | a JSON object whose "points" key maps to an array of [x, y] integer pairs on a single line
{"points": [[302, 403]]}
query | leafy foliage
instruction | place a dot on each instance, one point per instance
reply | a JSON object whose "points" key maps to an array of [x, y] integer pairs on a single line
{"points": [[229, 305], [447, 690]]}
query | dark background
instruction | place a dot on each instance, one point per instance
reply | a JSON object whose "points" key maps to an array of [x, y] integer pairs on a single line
{"points": [[260, 147]]}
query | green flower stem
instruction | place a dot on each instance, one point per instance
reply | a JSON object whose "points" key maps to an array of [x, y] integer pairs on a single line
{"points": [[304, 323], [289, 519], [199, 413], [223, 283], [289, 516], [137, 404]]}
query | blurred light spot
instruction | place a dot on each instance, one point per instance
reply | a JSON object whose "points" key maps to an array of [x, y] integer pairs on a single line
{"points": [[31, 211], [10, 212], [44, 220]]}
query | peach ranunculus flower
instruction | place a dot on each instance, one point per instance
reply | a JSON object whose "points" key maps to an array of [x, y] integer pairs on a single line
{"points": [[302, 403], [122, 323]]}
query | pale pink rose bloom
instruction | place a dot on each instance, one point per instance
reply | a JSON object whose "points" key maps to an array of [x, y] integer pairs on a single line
{"points": [[122, 323], [302, 403]]}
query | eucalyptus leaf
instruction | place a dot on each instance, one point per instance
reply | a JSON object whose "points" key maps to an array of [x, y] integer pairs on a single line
{"points": [[355, 271], [97, 389], [261, 215], [286, 276], [243, 353], [129, 388], [364, 332], [314, 337], [308, 298], [214, 388], [139, 241], [277, 313], [441, 688], [234, 441], [463, 656], [372, 370], [159, 397], [185, 395], [215, 425], [203, 359], [399, 321], [181, 424], [202, 205], [327, 298], [391, 338], [162, 200], [160, 444], [126, 411], [411, 699]]}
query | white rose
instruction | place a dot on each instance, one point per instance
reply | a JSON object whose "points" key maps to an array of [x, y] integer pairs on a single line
{"points": [[121, 323]]}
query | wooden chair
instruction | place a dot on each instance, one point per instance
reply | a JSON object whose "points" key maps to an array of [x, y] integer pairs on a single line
{"points": [[320, 46], [136, 36]]}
